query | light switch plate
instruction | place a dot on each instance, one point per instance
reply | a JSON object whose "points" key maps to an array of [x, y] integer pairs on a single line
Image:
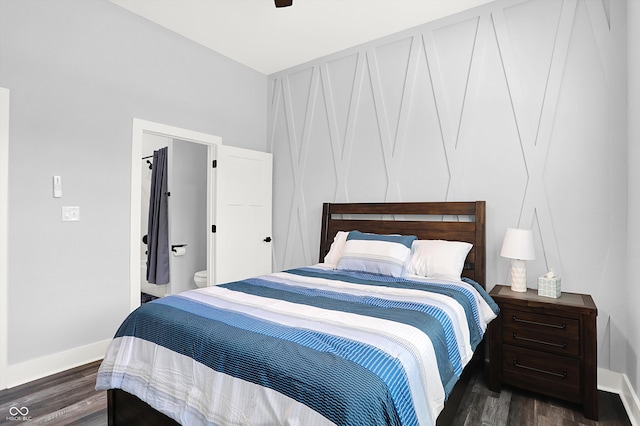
{"points": [[70, 213]]}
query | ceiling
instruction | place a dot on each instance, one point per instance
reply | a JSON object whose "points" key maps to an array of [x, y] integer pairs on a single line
{"points": [[269, 39]]}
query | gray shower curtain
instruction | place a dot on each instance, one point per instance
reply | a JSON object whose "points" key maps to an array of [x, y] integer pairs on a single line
{"points": [[158, 230]]}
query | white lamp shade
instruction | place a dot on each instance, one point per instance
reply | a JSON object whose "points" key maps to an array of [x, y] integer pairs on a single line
{"points": [[518, 244]]}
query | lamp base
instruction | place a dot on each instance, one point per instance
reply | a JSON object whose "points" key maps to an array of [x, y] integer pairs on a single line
{"points": [[518, 274]]}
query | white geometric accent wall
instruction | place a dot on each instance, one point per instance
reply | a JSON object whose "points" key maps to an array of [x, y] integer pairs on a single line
{"points": [[519, 103]]}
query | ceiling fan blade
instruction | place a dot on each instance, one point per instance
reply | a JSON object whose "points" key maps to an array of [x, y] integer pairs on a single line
{"points": [[283, 3]]}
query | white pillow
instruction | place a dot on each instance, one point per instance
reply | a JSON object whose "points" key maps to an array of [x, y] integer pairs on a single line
{"points": [[438, 258], [335, 251]]}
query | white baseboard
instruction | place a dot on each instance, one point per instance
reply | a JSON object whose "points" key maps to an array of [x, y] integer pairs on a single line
{"points": [[610, 381], [38, 368]]}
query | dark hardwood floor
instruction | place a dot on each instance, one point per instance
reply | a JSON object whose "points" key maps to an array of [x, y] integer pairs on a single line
{"points": [[69, 398], [515, 407]]}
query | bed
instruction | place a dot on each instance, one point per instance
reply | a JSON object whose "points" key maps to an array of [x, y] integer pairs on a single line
{"points": [[363, 337]]}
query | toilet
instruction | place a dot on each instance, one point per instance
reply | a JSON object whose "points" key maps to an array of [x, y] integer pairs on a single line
{"points": [[200, 278]]}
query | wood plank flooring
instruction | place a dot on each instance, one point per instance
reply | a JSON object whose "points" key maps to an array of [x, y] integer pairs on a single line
{"points": [[515, 407], [69, 398]]}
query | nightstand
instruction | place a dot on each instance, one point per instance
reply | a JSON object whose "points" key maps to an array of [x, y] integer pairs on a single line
{"points": [[545, 345]]}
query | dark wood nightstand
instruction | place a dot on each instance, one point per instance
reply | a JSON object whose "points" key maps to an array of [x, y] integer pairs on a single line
{"points": [[545, 345]]}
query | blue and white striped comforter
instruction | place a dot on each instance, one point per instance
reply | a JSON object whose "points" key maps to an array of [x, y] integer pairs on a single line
{"points": [[309, 346]]}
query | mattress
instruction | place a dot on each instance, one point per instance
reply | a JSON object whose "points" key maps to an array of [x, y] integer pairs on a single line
{"points": [[305, 346]]}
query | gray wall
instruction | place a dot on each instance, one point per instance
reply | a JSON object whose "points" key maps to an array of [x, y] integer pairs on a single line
{"points": [[79, 71], [519, 103], [188, 211]]}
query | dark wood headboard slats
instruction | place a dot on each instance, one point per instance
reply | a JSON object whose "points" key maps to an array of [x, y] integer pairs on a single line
{"points": [[458, 231], [426, 220], [410, 208]]}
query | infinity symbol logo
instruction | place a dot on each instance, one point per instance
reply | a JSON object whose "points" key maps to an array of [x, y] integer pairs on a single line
{"points": [[14, 411]]}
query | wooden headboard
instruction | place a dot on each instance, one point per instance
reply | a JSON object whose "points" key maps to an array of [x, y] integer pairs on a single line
{"points": [[454, 221]]}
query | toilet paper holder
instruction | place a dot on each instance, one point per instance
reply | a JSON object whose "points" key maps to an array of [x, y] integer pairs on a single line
{"points": [[175, 246]]}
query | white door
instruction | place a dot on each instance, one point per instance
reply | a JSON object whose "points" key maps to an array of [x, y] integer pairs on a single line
{"points": [[242, 214]]}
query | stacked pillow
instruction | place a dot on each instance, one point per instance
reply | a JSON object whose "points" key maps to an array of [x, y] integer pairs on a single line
{"points": [[398, 255], [439, 259], [375, 253]]}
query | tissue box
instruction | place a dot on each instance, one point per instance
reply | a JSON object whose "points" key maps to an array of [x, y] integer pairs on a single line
{"points": [[549, 287]]}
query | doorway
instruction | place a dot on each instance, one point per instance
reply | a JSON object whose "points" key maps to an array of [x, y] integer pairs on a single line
{"points": [[143, 129], [187, 211], [238, 207]]}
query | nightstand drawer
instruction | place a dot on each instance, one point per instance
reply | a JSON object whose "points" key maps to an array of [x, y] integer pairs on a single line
{"points": [[547, 373], [548, 333], [545, 345]]}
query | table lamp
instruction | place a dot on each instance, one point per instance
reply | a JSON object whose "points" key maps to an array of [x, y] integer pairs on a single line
{"points": [[518, 246]]}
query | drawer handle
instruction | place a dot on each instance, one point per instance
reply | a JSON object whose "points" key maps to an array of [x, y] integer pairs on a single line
{"points": [[537, 370], [542, 342], [516, 319]]}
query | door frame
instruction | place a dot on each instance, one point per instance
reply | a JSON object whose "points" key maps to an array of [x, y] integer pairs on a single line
{"points": [[140, 127], [4, 235]]}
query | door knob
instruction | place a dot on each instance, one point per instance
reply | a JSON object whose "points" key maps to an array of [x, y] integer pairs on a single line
{"points": [[267, 240]]}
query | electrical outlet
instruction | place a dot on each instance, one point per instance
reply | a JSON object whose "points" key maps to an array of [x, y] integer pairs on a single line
{"points": [[70, 213]]}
